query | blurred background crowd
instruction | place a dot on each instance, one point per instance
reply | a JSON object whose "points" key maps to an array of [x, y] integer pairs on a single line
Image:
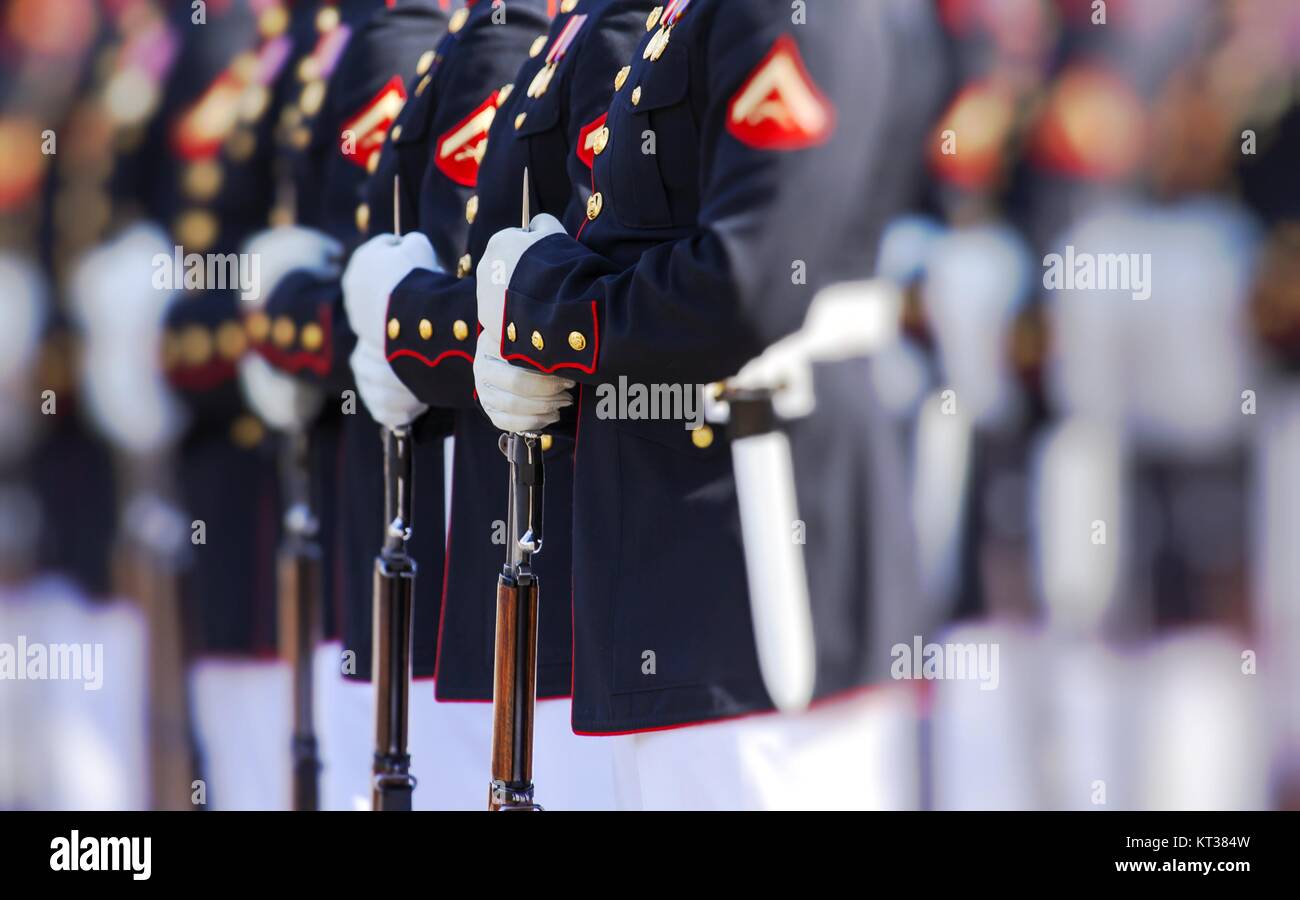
{"points": [[1104, 475]]}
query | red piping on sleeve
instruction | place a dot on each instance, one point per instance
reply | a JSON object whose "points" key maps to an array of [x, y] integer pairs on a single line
{"points": [[397, 354]]}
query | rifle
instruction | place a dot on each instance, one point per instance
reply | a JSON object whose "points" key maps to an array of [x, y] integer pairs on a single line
{"points": [[147, 562], [514, 671], [299, 590], [394, 588], [514, 688]]}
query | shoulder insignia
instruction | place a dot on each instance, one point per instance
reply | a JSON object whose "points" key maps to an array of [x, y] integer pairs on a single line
{"points": [[779, 107], [460, 150], [590, 138], [370, 126]]}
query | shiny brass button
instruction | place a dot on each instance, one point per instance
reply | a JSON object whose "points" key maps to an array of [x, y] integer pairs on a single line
{"points": [[396, 132], [426, 60], [519, 120], [568, 6], [230, 340], [621, 78], [471, 209], [247, 432], [547, 442], [258, 326], [283, 331], [636, 96], [197, 229], [203, 179], [458, 20], [372, 163], [327, 19], [653, 19], [464, 266], [363, 218], [538, 343], [196, 345], [312, 337], [702, 437], [595, 203], [459, 329], [577, 340], [273, 22], [394, 329], [510, 332], [426, 329], [537, 46], [312, 97], [601, 141]]}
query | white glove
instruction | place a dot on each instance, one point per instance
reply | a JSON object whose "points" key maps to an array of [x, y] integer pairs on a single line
{"points": [[22, 300], [284, 249], [517, 400], [497, 267], [376, 267], [390, 402], [122, 313], [281, 401]]}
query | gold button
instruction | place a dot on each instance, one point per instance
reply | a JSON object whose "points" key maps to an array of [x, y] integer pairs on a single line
{"points": [[247, 432], [547, 442], [426, 60], [372, 163], [363, 218], [424, 83], [636, 96], [577, 340], [312, 97], [282, 331], [510, 332], [568, 6], [459, 329], [313, 336], [601, 140], [504, 94], [394, 329], [653, 19], [301, 137], [197, 229], [458, 20], [327, 19], [426, 329], [538, 343], [203, 179], [196, 345], [471, 209], [595, 203], [253, 102], [519, 120], [702, 437], [465, 266], [240, 145], [397, 132], [230, 340], [537, 46], [621, 78], [273, 22], [258, 326], [308, 69]]}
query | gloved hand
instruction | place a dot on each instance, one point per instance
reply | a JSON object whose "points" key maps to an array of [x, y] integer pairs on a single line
{"points": [[121, 314], [390, 402], [517, 400], [376, 267], [285, 249], [280, 400], [497, 267]]}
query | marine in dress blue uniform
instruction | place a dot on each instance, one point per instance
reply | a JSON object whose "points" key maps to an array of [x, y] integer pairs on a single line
{"points": [[549, 121], [737, 146]]}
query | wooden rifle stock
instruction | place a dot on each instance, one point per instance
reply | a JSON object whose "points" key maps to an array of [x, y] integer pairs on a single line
{"points": [[514, 689]]}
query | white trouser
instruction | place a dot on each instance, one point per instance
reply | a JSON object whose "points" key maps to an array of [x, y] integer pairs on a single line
{"points": [[243, 723], [856, 753]]}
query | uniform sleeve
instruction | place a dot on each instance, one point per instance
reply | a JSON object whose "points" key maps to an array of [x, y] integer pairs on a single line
{"points": [[775, 222], [301, 332], [433, 350]]}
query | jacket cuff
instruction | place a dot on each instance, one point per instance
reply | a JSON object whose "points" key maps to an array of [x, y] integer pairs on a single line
{"points": [[432, 330], [548, 336], [296, 332]]}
